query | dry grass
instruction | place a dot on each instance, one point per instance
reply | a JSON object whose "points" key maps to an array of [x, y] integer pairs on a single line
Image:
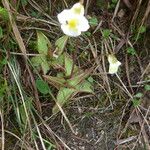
{"points": [[108, 119]]}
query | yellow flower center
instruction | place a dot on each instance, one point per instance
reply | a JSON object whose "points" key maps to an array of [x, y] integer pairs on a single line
{"points": [[72, 23]]}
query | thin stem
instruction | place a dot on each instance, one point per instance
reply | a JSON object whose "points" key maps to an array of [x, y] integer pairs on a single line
{"points": [[124, 86]]}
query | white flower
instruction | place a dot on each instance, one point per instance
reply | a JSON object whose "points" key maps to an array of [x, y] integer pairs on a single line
{"points": [[73, 21], [113, 64]]}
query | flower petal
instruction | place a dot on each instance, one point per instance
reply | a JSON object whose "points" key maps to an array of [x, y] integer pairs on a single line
{"points": [[113, 68], [64, 16], [70, 32], [113, 64], [112, 59], [83, 24], [78, 9]]}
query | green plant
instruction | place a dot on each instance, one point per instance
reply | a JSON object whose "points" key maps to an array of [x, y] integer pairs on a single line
{"points": [[147, 87], [43, 47], [131, 51], [137, 99], [106, 33], [72, 81], [3, 14], [137, 32], [93, 21], [42, 86], [1, 32], [112, 4]]}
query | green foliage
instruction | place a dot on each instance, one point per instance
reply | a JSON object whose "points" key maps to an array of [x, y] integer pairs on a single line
{"points": [[49, 146], [65, 93], [85, 87], [1, 32], [3, 87], [28, 105], [87, 33], [142, 29], [60, 44], [42, 86], [24, 2], [136, 102], [147, 87], [41, 62], [137, 99], [69, 82], [43, 43], [35, 14], [106, 33], [137, 32], [77, 79], [113, 3], [138, 95], [93, 21], [43, 47], [47, 143], [3, 62], [57, 82], [131, 51], [62, 97], [3, 82], [3, 14], [91, 80], [68, 65]]}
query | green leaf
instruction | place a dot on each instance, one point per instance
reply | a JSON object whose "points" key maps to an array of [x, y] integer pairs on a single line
{"points": [[88, 33], [147, 87], [91, 80], [114, 1], [42, 86], [22, 114], [85, 87], [41, 62], [131, 51], [64, 94], [55, 81], [59, 61], [73, 86], [60, 44], [62, 97], [3, 61], [28, 105], [4, 14], [138, 95], [106, 33], [93, 21], [24, 2], [43, 43], [36, 61], [68, 65], [142, 29], [1, 32], [45, 66], [77, 79], [136, 102]]}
